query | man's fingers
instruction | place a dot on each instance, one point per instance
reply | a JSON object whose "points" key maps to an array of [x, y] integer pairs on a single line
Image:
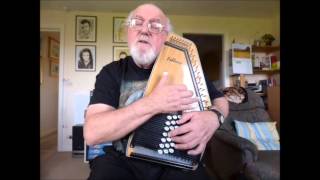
{"points": [[185, 117], [185, 94], [181, 87], [198, 150], [187, 146], [176, 99], [184, 107], [183, 139], [186, 101], [180, 130], [164, 79]]}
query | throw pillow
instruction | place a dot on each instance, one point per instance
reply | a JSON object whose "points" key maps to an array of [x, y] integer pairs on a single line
{"points": [[263, 134]]}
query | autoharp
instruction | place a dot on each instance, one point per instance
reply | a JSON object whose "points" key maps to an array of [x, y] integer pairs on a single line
{"points": [[179, 57]]}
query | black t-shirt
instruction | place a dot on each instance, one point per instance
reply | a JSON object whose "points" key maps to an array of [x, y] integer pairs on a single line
{"points": [[122, 82]]}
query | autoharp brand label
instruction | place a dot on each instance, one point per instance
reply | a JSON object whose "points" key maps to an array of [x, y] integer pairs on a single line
{"points": [[174, 60]]}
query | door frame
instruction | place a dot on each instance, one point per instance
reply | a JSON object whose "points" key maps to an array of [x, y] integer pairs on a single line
{"points": [[224, 79], [58, 28]]}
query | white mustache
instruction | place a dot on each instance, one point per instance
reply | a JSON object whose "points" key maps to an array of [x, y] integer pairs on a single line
{"points": [[143, 38]]}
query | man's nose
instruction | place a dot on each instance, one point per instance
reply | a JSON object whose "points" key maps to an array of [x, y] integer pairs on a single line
{"points": [[145, 28]]}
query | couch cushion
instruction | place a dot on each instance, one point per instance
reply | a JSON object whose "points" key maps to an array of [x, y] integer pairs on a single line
{"points": [[267, 167], [263, 134]]}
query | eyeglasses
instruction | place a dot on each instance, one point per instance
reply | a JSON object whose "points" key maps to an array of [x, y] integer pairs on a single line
{"points": [[153, 26]]}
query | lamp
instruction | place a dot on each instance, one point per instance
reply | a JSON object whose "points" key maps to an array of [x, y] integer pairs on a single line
{"points": [[241, 61]]}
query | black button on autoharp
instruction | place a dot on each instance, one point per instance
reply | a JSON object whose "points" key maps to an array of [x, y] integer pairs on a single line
{"points": [[179, 57]]}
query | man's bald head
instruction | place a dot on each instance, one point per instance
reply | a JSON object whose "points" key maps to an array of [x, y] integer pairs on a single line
{"points": [[154, 8]]}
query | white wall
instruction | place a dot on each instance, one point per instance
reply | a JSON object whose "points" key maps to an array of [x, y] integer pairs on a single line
{"points": [[48, 90], [241, 29]]}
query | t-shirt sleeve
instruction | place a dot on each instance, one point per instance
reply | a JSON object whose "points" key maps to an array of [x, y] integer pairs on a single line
{"points": [[107, 87], [213, 92]]}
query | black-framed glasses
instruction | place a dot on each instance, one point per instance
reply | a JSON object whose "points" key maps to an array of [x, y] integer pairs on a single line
{"points": [[153, 26]]}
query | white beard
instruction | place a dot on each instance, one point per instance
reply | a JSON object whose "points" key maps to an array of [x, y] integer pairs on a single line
{"points": [[144, 59]]}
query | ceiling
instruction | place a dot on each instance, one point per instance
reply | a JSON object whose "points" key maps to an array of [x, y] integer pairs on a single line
{"points": [[235, 8]]}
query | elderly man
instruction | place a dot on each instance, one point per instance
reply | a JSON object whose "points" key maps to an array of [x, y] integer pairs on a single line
{"points": [[117, 106]]}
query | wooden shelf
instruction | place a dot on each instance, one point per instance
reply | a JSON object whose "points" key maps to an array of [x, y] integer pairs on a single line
{"points": [[261, 94], [266, 49], [266, 71]]}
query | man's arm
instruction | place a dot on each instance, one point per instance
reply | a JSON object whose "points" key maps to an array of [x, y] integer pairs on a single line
{"points": [[222, 105], [105, 123], [198, 128]]}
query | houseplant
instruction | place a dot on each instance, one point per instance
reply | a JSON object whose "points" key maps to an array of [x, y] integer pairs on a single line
{"points": [[268, 39]]}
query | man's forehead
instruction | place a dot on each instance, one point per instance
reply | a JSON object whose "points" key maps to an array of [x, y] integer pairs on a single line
{"points": [[149, 12]]}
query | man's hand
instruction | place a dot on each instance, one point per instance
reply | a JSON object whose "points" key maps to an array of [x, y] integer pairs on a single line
{"points": [[196, 132], [170, 98]]}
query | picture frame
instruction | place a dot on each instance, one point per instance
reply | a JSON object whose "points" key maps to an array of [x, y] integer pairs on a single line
{"points": [[54, 68], [41, 71], [265, 63], [120, 52], [241, 55], [119, 30], [41, 48], [54, 48], [86, 28], [85, 58]]}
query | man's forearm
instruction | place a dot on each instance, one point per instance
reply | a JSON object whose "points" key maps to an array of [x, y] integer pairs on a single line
{"points": [[115, 124], [222, 105]]}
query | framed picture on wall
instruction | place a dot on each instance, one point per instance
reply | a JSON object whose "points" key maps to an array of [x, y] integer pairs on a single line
{"points": [[41, 71], [119, 30], [54, 68], [86, 28], [85, 58], [41, 48], [120, 52], [54, 48]]}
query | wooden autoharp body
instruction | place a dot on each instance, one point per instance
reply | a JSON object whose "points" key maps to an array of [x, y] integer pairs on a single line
{"points": [[179, 57]]}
